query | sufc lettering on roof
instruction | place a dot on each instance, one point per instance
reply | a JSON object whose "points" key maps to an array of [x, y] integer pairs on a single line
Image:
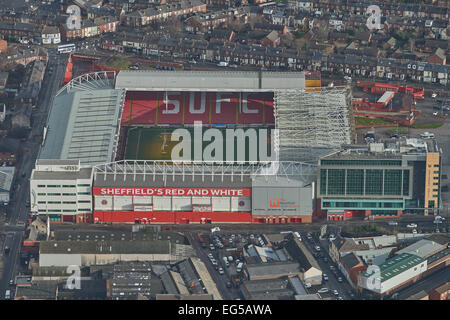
{"points": [[173, 192]]}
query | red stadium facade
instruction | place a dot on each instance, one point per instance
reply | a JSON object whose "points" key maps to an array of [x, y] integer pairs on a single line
{"points": [[183, 108], [172, 205]]}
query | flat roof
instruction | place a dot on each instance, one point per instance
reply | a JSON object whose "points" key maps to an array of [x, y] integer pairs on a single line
{"points": [[397, 265], [208, 80], [422, 248], [170, 181], [273, 269], [388, 95], [105, 247], [83, 124], [83, 173], [47, 162]]}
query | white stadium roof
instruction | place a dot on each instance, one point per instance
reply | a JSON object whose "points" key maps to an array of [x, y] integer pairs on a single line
{"points": [[209, 80], [84, 121]]}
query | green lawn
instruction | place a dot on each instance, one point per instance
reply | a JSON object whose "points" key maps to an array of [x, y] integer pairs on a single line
{"points": [[370, 121], [399, 131], [428, 125], [119, 63]]}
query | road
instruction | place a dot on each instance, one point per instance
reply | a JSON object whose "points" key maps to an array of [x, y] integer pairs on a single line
{"points": [[219, 280], [432, 281], [17, 211]]}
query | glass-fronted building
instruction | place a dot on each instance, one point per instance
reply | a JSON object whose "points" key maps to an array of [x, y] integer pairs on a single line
{"points": [[379, 180]]}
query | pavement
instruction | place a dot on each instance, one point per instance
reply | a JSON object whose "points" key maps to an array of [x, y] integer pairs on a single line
{"points": [[17, 211]]}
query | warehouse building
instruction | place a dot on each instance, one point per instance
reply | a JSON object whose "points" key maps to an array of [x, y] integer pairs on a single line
{"points": [[381, 180], [395, 273], [86, 253], [310, 270]]}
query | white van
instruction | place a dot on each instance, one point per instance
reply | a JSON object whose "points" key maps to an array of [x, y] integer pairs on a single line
{"points": [[427, 135]]}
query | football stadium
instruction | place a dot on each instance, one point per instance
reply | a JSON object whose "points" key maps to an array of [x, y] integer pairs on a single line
{"points": [[187, 147]]}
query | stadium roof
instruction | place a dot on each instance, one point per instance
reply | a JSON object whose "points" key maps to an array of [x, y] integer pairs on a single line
{"points": [[209, 80], [83, 122]]}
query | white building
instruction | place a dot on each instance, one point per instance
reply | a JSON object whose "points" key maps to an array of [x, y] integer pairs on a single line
{"points": [[62, 190], [393, 273], [50, 35], [6, 180]]}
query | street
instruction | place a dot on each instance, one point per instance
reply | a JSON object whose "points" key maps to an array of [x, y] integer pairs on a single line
{"points": [[17, 211]]}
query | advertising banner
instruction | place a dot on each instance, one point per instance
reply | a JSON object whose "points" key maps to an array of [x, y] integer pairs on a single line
{"points": [[173, 192]]}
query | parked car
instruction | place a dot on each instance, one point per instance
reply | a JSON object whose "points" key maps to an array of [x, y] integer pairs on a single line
{"points": [[323, 290], [317, 248], [325, 277], [339, 279], [229, 284], [335, 292], [393, 223], [411, 225], [221, 271]]}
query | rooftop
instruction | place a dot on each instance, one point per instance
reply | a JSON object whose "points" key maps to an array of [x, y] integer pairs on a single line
{"points": [[277, 269], [422, 248], [398, 264], [83, 122], [105, 247], [209, 80]]}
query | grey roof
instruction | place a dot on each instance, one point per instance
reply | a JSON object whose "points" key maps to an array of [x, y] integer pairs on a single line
{"points": [[84, 173], [57, 162], [439, 238], [277, 269], [208, 80], [274, 289], [105, 247], [172, 181], [39, 290], [107, 235], [422, 248], [83, 124], [299, 252], [350, 260]]}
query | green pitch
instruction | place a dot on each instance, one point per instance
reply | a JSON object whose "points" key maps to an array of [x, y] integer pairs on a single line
{"points": [[156, 144]]}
